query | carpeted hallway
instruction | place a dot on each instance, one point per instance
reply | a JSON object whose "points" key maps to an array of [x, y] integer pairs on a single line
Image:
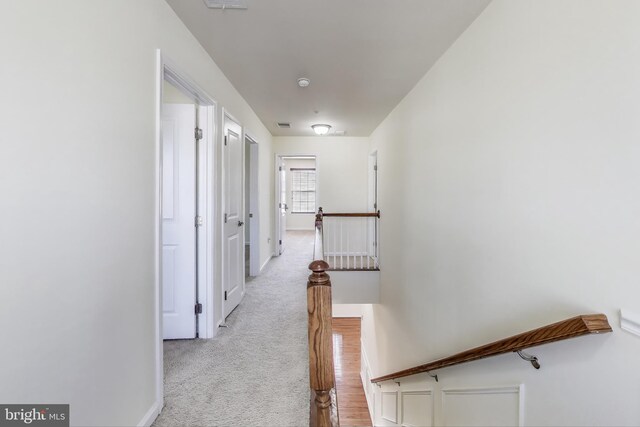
{"points": [[255, 372]]}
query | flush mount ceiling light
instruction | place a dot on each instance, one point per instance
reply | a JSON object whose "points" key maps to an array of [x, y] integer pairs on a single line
{"points": [[321, 129], [226, 4], [303, 82]]}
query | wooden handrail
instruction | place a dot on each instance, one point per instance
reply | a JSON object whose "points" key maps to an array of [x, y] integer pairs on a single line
{"points": [[353, 215], [324, 404], [585, 324]]}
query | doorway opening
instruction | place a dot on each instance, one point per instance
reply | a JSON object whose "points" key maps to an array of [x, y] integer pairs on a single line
{"points": [[181, 135], [252, 208], [186, 188], [297, 198]]}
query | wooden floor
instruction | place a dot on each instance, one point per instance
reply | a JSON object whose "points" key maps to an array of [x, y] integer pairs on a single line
{"points": [[352, 404]]}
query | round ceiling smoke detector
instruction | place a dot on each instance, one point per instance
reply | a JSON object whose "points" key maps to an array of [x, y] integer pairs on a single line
{"points": [[303, 82]]}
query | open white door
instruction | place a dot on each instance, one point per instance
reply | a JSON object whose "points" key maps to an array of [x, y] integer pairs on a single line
{"points": [[233, 217], [178, 215], [282, 204]]}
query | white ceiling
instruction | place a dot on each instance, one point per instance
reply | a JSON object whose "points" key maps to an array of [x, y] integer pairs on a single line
{"points": [[362, 56]]}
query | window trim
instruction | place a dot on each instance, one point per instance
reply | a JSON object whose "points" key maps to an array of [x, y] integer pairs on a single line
{"points": [[315, 191]]}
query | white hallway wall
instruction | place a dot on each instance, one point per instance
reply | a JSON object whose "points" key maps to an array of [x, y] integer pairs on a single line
{"points": [[77, 178], [341, 167], [509, 190]]}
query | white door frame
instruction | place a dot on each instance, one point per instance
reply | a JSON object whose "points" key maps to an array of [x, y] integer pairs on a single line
{"points": [[278, 232], [167, 70], [372, 194], [278, 157], [254, 202]]}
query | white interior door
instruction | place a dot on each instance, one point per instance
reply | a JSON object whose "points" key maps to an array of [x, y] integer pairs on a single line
{"points": [[233, 217], [178, 216], [282, 205]]}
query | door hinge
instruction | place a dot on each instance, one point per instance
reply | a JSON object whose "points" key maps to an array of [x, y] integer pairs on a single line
{"points": [[225, 218], [280, 168], [199, 221], [250, 215], [375, 167], [279, 242], [225, 139], [225, 295], [198, 308], [375, 206], [198, 134]]}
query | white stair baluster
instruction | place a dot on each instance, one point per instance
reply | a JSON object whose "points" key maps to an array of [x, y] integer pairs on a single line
{"points": [[348, 253], [341, 246], [367, 247], [362, 241]]}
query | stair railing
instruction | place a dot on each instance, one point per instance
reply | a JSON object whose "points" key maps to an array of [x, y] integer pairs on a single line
{"points": [[350, 240], [585, 324], [324, 403]]}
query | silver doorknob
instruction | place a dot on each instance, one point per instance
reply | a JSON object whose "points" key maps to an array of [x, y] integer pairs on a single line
{"points": [[240, 223]]}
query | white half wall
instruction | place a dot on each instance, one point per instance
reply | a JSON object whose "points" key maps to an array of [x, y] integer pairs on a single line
{"points": [[355, 287], [78, 167], [346, 310], [510, 198]]}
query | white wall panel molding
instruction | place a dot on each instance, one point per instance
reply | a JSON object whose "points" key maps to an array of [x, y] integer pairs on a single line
{"points": [[495, 406], [389, 406], [365, 376], [630, 321], [416, 408]]}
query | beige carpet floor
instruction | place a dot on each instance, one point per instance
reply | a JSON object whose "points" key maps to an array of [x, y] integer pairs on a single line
{"points": [[255, 372]]}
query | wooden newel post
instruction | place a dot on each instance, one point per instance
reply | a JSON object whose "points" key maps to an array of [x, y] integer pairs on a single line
{"points": [[321, 373]]}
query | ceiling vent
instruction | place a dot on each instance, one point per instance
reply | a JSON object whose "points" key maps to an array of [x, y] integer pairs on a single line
{"points": [[284, 125], [226, 4]]}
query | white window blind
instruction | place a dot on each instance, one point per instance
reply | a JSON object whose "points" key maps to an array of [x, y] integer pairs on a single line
{"points": [[303, 186]]}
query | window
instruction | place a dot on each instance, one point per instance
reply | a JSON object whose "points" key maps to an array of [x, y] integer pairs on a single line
{"points": [[303, 185]]}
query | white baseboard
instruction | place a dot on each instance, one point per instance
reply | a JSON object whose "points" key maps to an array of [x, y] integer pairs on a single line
{"points": [[301, 229], [266, 262], [151, 415], [365, 377]]}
